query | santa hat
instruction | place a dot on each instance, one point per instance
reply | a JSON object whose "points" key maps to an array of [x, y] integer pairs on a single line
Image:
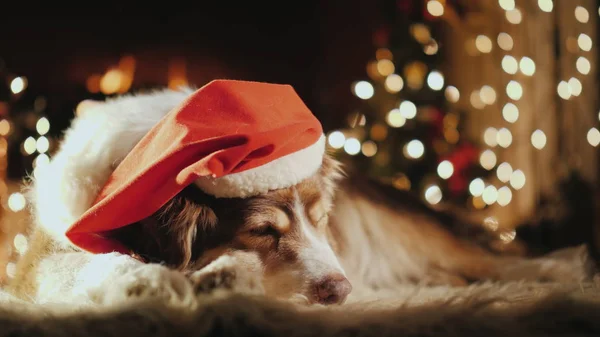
{"points": [[233, 139]]}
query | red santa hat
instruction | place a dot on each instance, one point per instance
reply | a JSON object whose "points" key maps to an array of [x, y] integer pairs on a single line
{"points": [[233, 139]]}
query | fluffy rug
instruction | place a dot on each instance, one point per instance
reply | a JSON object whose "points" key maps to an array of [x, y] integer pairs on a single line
{"points": [[515, 309]]}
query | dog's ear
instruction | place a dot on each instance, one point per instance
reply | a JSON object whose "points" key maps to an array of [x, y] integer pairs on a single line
{"points": [[184, 222], [171, 234]]}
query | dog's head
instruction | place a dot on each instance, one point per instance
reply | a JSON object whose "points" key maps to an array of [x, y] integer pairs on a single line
{"points": [[287, 228]]}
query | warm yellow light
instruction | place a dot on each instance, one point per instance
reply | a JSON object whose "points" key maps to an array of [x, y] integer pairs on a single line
{"points": [[177, 73], [111, 81], [478, 202], [363, 90], [372, 70], [514, 90], [581, 14], [584, 42], [383, 53], [352, 146], [510, 64], [445, 169], [394, 83], [483, 44], [4, 127], [490, 195], [414, 149], [452, 94], [487, 95], [29, 145], [451, 120], [18, 84], [475, 100], [593, 137], [507, 5], [508, 237], [490, 136], [504, 172], [369, 148], [435, 8], [41, 160], [401, 182], [431, 48], [11, 269], [16, 202], [491, 223], [435, 80], [42, 126], [514, 16], [452, 136], [517, 179], [564, 90], [504, 196], [476, 187], [505, 41], [488, 159], [538, 139], [583, 65], [42, 144], [433, 194], [546, 5], [527, 66], [395, 119], [575, 86], [421, 33], [414, 74], [20, 243], [336, 139], [504, 137], [385, 67], [408, 109], [510, 112]]}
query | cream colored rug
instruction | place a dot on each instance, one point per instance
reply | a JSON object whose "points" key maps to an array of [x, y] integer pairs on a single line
{"points": [[507, 310]]}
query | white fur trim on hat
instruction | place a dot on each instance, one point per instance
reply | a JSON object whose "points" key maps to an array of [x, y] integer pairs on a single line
{"points": [[280, 173]]}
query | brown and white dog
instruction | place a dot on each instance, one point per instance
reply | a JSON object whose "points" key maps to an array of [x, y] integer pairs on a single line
{"points": [[318, 241]]}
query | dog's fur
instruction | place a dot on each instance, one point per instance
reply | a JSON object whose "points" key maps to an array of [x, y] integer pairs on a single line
{"points": [[312, 242]]}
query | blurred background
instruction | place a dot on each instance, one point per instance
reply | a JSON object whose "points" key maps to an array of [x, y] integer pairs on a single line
{"points": [[489, 106]]}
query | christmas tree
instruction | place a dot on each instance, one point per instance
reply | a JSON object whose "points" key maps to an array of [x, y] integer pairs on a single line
{"points": [[405, 130]]}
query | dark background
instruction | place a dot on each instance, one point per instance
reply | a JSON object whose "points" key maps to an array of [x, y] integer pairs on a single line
{"points": [[319, 47]]}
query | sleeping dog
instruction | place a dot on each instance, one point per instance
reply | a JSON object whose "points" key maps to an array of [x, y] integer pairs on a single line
{"points": [[320, 240]]}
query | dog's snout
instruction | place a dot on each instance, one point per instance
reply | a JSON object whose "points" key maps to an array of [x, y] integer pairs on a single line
{"points": [[333, 289]]}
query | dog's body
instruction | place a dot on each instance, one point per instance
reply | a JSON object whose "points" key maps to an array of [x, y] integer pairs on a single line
{"points": [[318, 241]]}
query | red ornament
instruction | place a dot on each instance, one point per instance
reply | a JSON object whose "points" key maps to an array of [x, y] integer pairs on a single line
{"points": [[465, 155]]}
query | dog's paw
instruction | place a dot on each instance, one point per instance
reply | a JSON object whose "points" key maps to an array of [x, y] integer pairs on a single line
{"points": [[153, 282], [238, 272]]}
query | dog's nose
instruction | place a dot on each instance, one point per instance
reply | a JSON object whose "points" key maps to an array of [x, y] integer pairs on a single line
{"points": [[333, 289]]}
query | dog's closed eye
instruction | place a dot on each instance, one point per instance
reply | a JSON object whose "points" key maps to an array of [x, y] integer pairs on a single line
{"points": [[266, 230]]}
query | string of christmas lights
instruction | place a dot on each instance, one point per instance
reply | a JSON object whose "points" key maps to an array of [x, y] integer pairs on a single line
{"points": [[20, 119]]}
